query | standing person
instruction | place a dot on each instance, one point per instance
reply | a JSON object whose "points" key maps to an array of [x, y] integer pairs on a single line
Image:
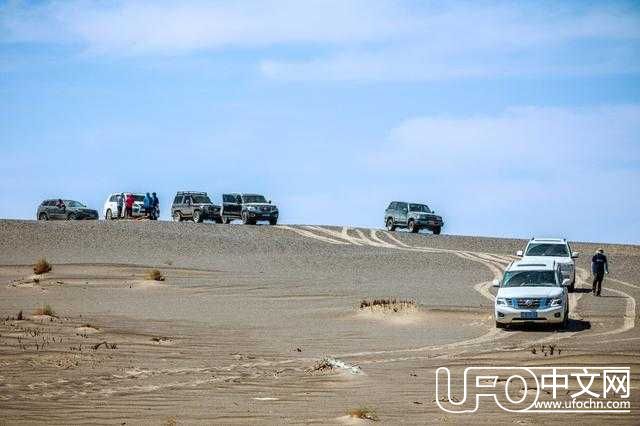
{"points": [[146, 204], [156, 206], [129, 205], [120, 205], [599, 266]]}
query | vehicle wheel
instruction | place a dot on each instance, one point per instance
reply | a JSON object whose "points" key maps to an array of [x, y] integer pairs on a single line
{"points": [[218, 220], [226, 219], [71, 216], [177, 217], [572, 287], [245, 218], [273, 221], [413, 227], [565, 320], [43, 216], [500, 325], [436, 231], [197, 216], [108, 215], [390, 225]]}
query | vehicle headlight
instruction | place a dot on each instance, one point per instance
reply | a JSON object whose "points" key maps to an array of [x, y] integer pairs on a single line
{"points": [[566, 267], [501, 301], [556, 302]]}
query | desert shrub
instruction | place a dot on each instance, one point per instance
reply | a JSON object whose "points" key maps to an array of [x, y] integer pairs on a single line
{"points": [[155, 275], [45, 310], [363, 413], [393, 304], [321, 366], [41, 267]]}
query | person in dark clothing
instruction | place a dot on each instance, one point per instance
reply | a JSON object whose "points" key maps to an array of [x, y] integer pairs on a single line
{"points": [[599, 266], [120, 204], [156, 206]]}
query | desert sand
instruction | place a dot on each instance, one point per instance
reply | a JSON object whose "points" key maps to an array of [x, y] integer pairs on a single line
{"points": [[238, 329]]}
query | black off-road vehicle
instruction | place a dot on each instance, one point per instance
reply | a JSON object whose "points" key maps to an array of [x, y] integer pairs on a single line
{"points": [[250, 208], [196, 206]]}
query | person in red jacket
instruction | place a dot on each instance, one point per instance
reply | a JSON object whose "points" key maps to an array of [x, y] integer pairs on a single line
{"points": [[129, 205]]}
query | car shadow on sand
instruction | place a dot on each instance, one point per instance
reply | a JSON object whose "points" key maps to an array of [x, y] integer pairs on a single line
{"points": [[573, 326]]}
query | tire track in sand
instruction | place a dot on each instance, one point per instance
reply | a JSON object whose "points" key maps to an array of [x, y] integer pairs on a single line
{"points": [[495, 263]]}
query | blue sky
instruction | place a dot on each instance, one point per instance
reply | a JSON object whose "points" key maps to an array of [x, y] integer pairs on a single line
{"points": [[508, 118]]}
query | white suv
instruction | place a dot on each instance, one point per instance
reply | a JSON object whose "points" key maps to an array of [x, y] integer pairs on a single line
{"points": [[110, 208], [532, 292], [541, 249]]}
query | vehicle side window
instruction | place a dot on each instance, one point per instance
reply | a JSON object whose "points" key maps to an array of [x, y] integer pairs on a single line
{"points": [[403, 207], [238, 199], [187, 200], [226, 198], [178, 199], [392, 206], [113, 198]]}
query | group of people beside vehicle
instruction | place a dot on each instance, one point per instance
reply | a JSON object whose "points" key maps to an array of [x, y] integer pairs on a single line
{"points": [[150, 205]]}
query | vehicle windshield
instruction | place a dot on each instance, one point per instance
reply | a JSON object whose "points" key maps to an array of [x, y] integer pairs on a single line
{"points": [[529, 279], [201, 199], [253, 199], [419, 208], [138, 197], [546, 249], [71, 203]]}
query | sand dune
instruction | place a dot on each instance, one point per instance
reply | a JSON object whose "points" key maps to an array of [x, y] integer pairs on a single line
{"points": [[244, 314]]}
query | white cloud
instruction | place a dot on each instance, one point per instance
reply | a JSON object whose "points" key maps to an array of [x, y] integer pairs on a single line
{"points": [[529, 139], [349, 39], [169, 27]]}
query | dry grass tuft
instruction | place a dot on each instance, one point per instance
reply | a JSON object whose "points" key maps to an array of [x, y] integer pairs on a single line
{"points": [[155, 275], [363, 413], [392, 304], [41, 267], [321, 366], [45, 310]]}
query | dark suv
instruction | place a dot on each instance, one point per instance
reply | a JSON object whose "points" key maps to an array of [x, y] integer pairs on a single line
{"points": [[64, 210], [196, 206], [413, 216], [248, 207]]}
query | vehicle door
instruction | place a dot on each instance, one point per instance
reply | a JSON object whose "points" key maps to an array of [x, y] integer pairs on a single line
{"points": [[47, 207], [237, 207], [57, 212], [187, 206], [402, 213], [112, 205], [230, 205]]}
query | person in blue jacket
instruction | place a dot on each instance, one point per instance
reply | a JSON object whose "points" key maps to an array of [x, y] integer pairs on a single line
{"points": [[147, 203]]}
